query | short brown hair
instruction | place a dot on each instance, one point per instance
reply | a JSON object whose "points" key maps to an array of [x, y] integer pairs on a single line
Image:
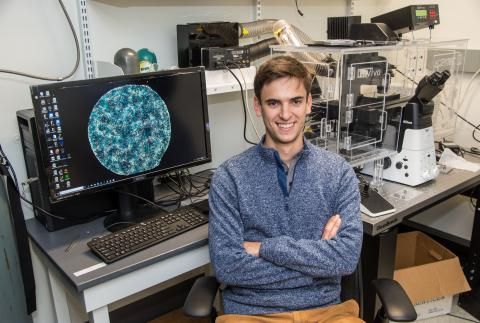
{"points": [[278, 67]]}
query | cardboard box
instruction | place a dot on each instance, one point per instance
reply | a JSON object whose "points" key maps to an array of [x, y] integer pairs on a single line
{"points": [[430, 274]]}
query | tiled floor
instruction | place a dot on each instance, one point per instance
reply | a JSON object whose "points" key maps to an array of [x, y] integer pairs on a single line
{"points": [[457, 311]]}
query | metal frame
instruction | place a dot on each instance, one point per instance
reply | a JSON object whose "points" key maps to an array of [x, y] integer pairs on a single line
{"points": [[86, 43]]}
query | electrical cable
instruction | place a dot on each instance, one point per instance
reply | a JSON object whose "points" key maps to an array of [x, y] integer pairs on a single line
{"points": [[107, 228], [155, 205], [298, 10], [244, 107], [180, 184], [142, 199], [409, 78], [191, 181], [184, 187], [474, 150], [180, 191], [467, 90], [41, 209], [199, 176], [200, 192], [476, 127], [4, 161], [247, 101], [77, 62], [472, 196]]}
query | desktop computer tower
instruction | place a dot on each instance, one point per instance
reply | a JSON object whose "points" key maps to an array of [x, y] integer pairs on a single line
{"points": [[74, 210]]}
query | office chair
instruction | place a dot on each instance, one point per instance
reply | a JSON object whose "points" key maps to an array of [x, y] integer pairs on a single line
{"points": [[396, 306]]}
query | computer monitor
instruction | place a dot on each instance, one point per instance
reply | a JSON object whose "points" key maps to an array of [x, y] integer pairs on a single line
{"points": [[103, 133]]}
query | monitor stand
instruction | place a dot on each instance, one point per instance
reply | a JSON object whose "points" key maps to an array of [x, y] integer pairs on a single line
{"points": [[129, 211]]}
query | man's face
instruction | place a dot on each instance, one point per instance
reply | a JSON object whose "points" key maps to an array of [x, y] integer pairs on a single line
{"points": [[283, 108]]}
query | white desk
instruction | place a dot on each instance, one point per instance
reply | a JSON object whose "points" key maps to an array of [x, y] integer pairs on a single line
{"points": [[379, 243], [96, 289]]}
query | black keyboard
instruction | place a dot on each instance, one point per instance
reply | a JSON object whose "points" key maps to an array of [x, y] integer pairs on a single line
{"points": [[117, 245]]}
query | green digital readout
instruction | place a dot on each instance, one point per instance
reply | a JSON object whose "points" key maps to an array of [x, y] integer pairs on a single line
{"points": [[421, 13]]}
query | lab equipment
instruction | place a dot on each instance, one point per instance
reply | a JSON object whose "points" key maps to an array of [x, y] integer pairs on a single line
{"points": [[360, 109]]}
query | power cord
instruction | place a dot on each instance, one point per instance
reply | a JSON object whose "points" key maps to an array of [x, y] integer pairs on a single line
{"points": [[6, 163], [244, 107], [298, 10], [247, 101], [155, 205], [473, 151], [77, 62], [183, 187]]}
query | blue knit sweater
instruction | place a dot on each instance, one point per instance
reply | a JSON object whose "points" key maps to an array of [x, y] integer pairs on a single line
{"points": [[296, 270]]}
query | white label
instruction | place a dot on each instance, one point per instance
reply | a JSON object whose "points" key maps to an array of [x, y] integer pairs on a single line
{"points": [[89, 269]]}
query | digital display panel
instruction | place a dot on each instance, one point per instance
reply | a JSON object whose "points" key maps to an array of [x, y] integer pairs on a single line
{"points": [[97, 133]]}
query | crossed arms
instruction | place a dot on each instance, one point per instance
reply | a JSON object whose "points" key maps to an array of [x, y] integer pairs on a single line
{"points": [[281, 261], [329, 232]]}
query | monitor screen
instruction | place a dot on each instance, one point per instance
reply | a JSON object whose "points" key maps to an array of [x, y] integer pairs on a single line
{"points": [[96, 134]]}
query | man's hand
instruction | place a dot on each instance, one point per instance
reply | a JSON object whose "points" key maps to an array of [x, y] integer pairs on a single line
{"points": [[331, 228], [252, 248]]}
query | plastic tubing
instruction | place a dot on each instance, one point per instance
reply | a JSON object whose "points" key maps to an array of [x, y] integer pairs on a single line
{"points": [[261, 48], [256, 28], [292, 36]]}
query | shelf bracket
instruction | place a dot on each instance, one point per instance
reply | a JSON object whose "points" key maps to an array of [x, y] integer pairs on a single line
{"points": [[85, 40]]}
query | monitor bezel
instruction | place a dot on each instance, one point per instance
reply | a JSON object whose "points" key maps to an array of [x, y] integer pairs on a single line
{"points": [[45, 163]]}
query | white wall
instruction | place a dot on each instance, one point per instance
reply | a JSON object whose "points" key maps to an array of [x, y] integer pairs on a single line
{"points": [[314, 20], [35, 38]]}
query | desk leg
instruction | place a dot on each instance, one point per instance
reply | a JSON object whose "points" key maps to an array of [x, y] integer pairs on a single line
{"points": [[470, 301], [472, 268], [59, 299], [100, 315], [378, 261]]}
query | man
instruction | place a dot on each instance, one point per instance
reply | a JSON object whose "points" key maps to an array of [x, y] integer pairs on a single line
{"points": [[284, 215]]}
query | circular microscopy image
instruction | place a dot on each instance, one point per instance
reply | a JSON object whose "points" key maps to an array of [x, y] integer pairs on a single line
{"points": [[129, 129]]}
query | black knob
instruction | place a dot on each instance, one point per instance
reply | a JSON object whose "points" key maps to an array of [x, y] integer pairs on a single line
{"points": [[399, 165], [387, 162]]}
